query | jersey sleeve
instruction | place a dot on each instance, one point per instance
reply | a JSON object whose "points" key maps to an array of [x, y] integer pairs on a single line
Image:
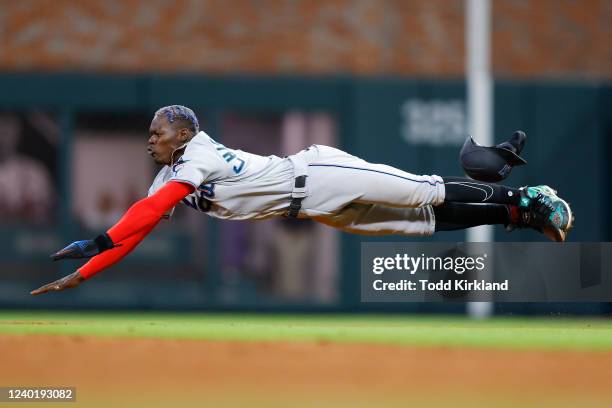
{"points": [[134, 226], [159, 182], [200, 164], [149, 210]]}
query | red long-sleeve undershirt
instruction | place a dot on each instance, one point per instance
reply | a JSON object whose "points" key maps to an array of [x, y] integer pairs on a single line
{"points": [[135, 225]]}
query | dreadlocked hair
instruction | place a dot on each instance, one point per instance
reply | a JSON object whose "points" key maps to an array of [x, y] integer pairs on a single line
{"points": [[180, 115]]}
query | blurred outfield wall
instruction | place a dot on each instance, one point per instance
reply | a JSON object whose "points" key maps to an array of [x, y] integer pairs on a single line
{"points": [[381, 79], [415, 125]]}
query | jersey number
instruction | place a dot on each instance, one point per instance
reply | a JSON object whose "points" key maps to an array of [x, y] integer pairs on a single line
{"points": [[201, 201], [228, 155]]}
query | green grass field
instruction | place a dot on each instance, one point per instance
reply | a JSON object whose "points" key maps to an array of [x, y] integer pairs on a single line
{"points": [[513, 333], [122, 359]]}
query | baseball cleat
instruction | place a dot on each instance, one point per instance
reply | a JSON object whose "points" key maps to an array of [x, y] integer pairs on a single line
{"points": [[541, 209]]}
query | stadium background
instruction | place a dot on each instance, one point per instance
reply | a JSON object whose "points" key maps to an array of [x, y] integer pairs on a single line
{"points": [[381, 80], [268, 313]]}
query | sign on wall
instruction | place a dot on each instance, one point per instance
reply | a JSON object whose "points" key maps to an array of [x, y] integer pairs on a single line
{"points": [[436, 122]]}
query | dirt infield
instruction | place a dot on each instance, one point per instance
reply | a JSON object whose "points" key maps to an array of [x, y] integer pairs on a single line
{"points": [[153, 372]]}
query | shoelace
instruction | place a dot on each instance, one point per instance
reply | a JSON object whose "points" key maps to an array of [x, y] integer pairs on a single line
{"points": [[537, 216], [544, 200]]}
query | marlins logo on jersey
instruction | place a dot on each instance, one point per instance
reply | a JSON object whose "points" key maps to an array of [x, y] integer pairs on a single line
{"points": [[230, 184]]}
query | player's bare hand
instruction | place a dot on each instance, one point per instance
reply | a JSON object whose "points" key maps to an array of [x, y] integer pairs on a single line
{"points": [[67, 282]]}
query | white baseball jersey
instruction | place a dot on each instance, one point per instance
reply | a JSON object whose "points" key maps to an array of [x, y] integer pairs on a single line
{"points": [[342, 190], [230, 184]]}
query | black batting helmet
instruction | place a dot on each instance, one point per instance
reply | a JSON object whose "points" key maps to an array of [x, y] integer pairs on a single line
{"points": [[492, 163]]}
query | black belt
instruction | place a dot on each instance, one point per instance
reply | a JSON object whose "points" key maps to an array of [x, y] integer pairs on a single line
{"points": [[296, 202]]}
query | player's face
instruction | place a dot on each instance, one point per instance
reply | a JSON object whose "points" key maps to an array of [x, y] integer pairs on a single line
{"points": [[163, 140]]}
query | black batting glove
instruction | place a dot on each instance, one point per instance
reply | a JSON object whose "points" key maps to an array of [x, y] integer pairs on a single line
{"points": [[85, 248]]}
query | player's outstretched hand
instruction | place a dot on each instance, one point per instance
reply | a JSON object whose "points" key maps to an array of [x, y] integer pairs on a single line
{"points": [[85, 248], [67, 282]]}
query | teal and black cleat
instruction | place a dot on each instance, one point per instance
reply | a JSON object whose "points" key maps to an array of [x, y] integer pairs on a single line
{"points": [[543, 210], [530, 193]]}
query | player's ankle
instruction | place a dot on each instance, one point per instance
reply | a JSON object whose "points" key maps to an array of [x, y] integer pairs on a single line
{"points": [[514, 214]]}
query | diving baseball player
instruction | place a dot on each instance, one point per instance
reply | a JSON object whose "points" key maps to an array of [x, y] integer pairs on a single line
{"points": [[321, 183]]}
